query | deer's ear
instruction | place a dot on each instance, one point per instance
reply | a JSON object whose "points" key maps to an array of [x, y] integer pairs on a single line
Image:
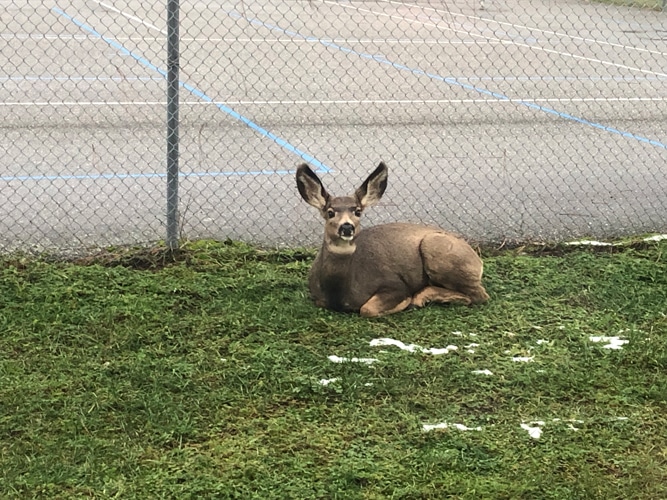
{"points": [[370, 192], [310, 187]]}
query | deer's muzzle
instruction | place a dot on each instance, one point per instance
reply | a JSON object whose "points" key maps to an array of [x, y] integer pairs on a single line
{"points": [[346, 231]]}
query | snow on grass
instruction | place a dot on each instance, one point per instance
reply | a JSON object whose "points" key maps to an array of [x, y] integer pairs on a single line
{"points": [[447, 425], [657, 237], [595, 243], [534, 428], [327, 381], [592, 243], [413, 347], [612, 342], [367, 361], [483, 372]]}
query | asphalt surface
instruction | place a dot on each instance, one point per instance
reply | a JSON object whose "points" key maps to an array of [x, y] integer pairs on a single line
{"points": [[520, 121]]}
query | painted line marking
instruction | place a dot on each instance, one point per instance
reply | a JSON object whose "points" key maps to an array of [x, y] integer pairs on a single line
{"points": [[147, 175], [130, 17], [198, 93], [524, 78], [399, 41], [501, 40], [522, 27], [381, 59], [334, 102]]}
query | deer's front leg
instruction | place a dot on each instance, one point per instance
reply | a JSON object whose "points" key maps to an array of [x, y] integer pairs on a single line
{"points": [[383, 303]]}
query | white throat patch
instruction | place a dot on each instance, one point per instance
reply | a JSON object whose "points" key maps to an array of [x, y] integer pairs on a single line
{"points": [[342, 246]]}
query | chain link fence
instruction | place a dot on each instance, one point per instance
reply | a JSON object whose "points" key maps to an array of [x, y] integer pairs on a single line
{"points": [[499, 119]]}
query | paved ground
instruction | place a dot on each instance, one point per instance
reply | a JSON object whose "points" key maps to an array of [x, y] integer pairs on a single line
{"points": [[524, 120]]}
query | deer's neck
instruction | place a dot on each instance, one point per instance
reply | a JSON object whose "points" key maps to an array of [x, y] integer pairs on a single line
{"points": [[339, 247], [334, 276]]}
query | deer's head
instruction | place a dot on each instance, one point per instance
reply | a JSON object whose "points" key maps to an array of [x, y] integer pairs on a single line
{"points": [[341, 213]]}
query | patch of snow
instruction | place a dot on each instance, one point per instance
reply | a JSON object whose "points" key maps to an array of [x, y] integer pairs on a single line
{"points": [[436, 351], [483, 372], [445, 425], [657, 237], [534, 430], [542, 341], [592, 243], [338, 359], [413, 347], [523, 359], [327, 381], [397, 343], [613, 342]]}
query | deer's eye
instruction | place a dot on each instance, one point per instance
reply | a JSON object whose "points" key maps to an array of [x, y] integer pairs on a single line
{"points": [[357, 212], [330, 213]]}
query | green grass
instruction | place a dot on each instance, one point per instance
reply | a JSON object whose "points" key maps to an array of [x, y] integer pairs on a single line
{"points": [[641, 4], [127, 376]]}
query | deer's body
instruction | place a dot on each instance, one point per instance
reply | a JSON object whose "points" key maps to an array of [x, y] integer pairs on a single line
{"points": [[389, 267]]}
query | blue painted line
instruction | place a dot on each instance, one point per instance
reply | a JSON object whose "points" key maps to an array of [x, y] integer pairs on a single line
{"points": [[379, 58], [147, 175], [198, 93]]}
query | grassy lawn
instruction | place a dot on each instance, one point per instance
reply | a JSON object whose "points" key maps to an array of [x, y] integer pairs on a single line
{"points": [[211, 377]]}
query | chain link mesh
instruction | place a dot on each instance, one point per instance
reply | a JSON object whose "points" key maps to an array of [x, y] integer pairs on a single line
{"points": [[499, 120]]}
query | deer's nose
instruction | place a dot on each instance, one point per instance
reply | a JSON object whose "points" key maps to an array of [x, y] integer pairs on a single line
{"points": [[346, 230]]}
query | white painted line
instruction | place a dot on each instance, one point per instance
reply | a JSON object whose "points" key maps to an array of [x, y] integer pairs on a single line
{"points": [[332, 103], [560, 53], [388, 41], [130, 16], [518, 27]]}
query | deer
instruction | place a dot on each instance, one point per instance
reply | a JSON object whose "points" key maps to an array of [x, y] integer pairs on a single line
{"points": [[386, 268]]}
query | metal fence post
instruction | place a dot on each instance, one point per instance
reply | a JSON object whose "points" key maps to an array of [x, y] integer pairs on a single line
{"points": [[172, 122]]}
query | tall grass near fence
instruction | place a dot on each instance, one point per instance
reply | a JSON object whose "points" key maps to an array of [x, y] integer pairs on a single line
{"points": [[642, 4], [133, 376]]}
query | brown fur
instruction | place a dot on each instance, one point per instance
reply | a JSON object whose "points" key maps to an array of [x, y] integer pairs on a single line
{"points": [[387, 268]]}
